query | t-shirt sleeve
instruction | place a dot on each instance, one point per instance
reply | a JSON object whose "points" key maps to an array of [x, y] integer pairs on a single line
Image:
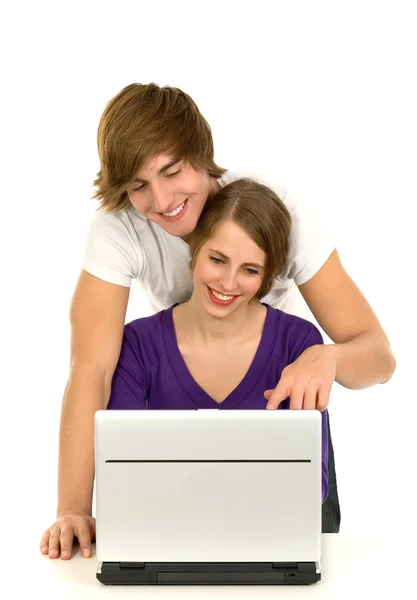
{"points": [[112, 250], [129, 389], [311, 238]]}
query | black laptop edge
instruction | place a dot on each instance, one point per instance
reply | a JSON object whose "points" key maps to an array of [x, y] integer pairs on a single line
{"points": [[257, 573]]}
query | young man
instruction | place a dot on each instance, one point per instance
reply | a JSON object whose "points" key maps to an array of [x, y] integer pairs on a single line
{"points": [[157, 170]]}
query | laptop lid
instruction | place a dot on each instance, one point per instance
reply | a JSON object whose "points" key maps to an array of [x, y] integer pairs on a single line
{"points": [[208, 485]]}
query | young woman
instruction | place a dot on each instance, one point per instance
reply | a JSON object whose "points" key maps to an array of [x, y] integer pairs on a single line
{"points": [[157, 170], [222, 348]]}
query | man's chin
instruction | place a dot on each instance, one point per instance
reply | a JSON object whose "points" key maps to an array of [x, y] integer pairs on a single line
{"points": [[178, 229]]}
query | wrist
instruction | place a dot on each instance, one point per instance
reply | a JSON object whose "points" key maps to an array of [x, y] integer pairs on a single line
{"points": [[333, 352], [73, 510]]}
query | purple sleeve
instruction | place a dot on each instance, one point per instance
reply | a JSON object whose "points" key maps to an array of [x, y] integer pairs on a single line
{"points": [[312, 338], [129, 390]]}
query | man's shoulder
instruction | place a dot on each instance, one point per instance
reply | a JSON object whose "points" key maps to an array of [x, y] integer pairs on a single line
{"points": [[127, 218]]}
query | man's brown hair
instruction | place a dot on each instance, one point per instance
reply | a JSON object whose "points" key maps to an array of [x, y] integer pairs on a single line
{"points": [[259, 212], [141, 121]]}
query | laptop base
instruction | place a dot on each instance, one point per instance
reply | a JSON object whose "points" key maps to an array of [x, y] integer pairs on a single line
{"points": [[138, 573]]}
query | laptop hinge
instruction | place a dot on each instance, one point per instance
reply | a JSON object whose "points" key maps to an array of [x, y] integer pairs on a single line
{"points": [[306, 567], [132, 565], [284, 565]]}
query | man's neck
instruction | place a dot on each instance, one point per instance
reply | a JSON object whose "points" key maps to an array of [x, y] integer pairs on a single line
{"points": [[214, 187]]}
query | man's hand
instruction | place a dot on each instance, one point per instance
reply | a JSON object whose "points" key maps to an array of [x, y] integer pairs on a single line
{"points": [[59, 538], [307, 381]]}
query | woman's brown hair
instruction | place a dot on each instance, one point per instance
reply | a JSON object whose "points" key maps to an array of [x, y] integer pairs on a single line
{"points": [[139, 122], [259, 212]]}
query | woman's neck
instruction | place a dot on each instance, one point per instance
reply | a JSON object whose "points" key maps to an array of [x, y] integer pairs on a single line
{"points": [[193, 322]]}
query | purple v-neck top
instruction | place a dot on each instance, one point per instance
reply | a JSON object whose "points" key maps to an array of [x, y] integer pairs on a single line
{"points": [[151, 372]]}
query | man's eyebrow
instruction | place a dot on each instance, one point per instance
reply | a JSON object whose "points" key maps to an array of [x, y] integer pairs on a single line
{"points": [[243, 265], [162, 170]]}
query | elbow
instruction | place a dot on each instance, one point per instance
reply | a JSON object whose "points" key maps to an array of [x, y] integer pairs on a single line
{"points": [[391, 365], [386, 362]]}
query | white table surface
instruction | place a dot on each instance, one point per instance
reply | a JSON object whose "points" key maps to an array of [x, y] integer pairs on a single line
{"points": [[353, 566]]}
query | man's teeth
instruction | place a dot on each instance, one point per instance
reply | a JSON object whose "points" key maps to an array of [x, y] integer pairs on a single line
{"points": [[176, 211], [221, 296]]}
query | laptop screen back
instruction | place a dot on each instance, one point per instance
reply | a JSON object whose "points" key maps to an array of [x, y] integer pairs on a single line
{"points": [[208, 486]]}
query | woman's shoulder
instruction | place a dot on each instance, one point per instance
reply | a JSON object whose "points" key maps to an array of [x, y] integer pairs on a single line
{"points": [[145, 327], [146, 335], [295, 329]]}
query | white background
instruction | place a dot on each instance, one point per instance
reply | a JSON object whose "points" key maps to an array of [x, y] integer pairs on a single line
{"points": [[320, 94]]}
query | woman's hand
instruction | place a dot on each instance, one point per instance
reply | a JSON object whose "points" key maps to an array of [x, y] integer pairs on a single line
{"points": [[59, 538], [307, 381]]}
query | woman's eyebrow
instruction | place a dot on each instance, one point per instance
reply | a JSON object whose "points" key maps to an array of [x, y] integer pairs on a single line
{"points": [[246, 264]]}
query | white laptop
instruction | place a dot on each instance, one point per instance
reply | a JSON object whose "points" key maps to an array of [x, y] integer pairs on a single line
{"points": [[208, 496]]}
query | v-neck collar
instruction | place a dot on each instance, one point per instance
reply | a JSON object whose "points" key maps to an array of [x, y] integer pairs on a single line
{"points": [[249, 381]]}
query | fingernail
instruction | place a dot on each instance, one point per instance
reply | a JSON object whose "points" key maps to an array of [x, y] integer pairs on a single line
{"points": [[44, 549], [65, 554], [86, 553], [269, 406]]}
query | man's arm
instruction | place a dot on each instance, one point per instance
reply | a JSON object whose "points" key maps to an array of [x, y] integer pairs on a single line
{"points": [[360, 356], [97, 316], [361, 349]]}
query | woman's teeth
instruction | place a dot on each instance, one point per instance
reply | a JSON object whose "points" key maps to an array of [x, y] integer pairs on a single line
{"points": [[221, 296]]}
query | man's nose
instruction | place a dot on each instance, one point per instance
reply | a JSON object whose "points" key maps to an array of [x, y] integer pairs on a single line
{"points": [[161, 199]]}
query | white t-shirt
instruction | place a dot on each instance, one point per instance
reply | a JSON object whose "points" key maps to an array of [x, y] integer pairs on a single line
{"points": [[124, 245]]}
